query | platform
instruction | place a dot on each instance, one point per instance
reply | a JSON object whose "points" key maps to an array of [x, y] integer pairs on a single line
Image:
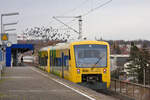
{"points": [[30, 83]]}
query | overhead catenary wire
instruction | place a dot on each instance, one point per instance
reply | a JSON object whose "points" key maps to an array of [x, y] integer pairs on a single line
{"points": [[85, 14], [68, 23], [65, 24], [83, 3], [70, 11], [93, 9], [90, 11], [74, 9]]}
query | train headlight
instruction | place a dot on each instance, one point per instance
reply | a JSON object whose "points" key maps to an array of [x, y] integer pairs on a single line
{"points": [[78, 71], [105, 70]]}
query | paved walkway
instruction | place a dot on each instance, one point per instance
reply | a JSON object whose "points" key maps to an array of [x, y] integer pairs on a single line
{"points": [[29, 83]]}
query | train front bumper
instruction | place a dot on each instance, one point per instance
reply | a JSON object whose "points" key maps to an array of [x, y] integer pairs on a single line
{"points": [[95, 85]]}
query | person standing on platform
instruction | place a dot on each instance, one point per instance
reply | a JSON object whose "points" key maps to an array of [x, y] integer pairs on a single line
{"points": [[21, 60]]}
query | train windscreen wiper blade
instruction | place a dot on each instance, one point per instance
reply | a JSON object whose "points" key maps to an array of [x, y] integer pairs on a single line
{"points": [[99, 59]]}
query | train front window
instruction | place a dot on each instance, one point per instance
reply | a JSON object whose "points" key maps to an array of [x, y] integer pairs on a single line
{"points": [[91, 55]]}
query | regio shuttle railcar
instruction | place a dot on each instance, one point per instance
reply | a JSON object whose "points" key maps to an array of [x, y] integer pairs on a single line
{"points": [[84, 62]]}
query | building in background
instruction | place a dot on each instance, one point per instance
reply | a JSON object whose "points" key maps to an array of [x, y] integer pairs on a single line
{"points": [[118, 61]]}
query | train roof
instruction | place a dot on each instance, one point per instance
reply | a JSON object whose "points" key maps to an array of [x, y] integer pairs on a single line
{"points": [[66, 45], [90, 42], [61, 46], [45, 48], [57, 46]]}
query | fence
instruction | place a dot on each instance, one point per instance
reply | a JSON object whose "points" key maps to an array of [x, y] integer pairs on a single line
{"points": [[135, 91]]}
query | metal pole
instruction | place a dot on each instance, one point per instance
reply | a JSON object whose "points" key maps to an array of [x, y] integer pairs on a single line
{"points": [[144, 76], [1, 23], [0, 74], [80, 27], [115, 86]]}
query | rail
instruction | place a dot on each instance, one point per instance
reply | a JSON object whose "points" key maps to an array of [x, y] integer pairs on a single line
{"points": [[132, 90]]}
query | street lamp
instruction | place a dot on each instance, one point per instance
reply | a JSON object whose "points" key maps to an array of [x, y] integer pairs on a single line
{"points": [[7, 14]]}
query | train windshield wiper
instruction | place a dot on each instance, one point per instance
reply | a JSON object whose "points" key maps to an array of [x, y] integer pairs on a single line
{"points": [[99, 59]]}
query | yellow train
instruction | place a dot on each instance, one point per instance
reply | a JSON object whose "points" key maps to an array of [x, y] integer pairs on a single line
{"points": [[84, 62]]}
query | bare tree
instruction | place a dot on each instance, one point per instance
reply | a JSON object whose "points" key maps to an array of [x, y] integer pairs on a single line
{"points": [[46, 33]]}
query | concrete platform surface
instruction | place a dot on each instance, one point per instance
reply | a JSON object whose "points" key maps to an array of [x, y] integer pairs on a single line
{"points": [[30, 83]]}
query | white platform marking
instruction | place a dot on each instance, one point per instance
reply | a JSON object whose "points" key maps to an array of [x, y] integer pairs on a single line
{"points": [[63, 84]]}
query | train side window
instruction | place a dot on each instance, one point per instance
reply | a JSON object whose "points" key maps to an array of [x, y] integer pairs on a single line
{"points": [[69, 55]]}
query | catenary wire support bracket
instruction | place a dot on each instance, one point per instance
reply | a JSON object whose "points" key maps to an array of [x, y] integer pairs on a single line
{"points": [[80, 24]]}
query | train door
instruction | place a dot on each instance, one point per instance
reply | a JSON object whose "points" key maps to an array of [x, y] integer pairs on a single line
{"points": [[51, 61], [62, 64]]}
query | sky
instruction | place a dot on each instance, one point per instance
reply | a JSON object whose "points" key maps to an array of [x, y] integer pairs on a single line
{"points": [[117, 20]]}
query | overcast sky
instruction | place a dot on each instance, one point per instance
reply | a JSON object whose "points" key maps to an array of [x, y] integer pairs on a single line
{"points": [[120, 19]]}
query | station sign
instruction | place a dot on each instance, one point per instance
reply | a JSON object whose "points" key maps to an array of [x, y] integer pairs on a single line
{"points": [[8, 44], [4, 37], [7, 37]]}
